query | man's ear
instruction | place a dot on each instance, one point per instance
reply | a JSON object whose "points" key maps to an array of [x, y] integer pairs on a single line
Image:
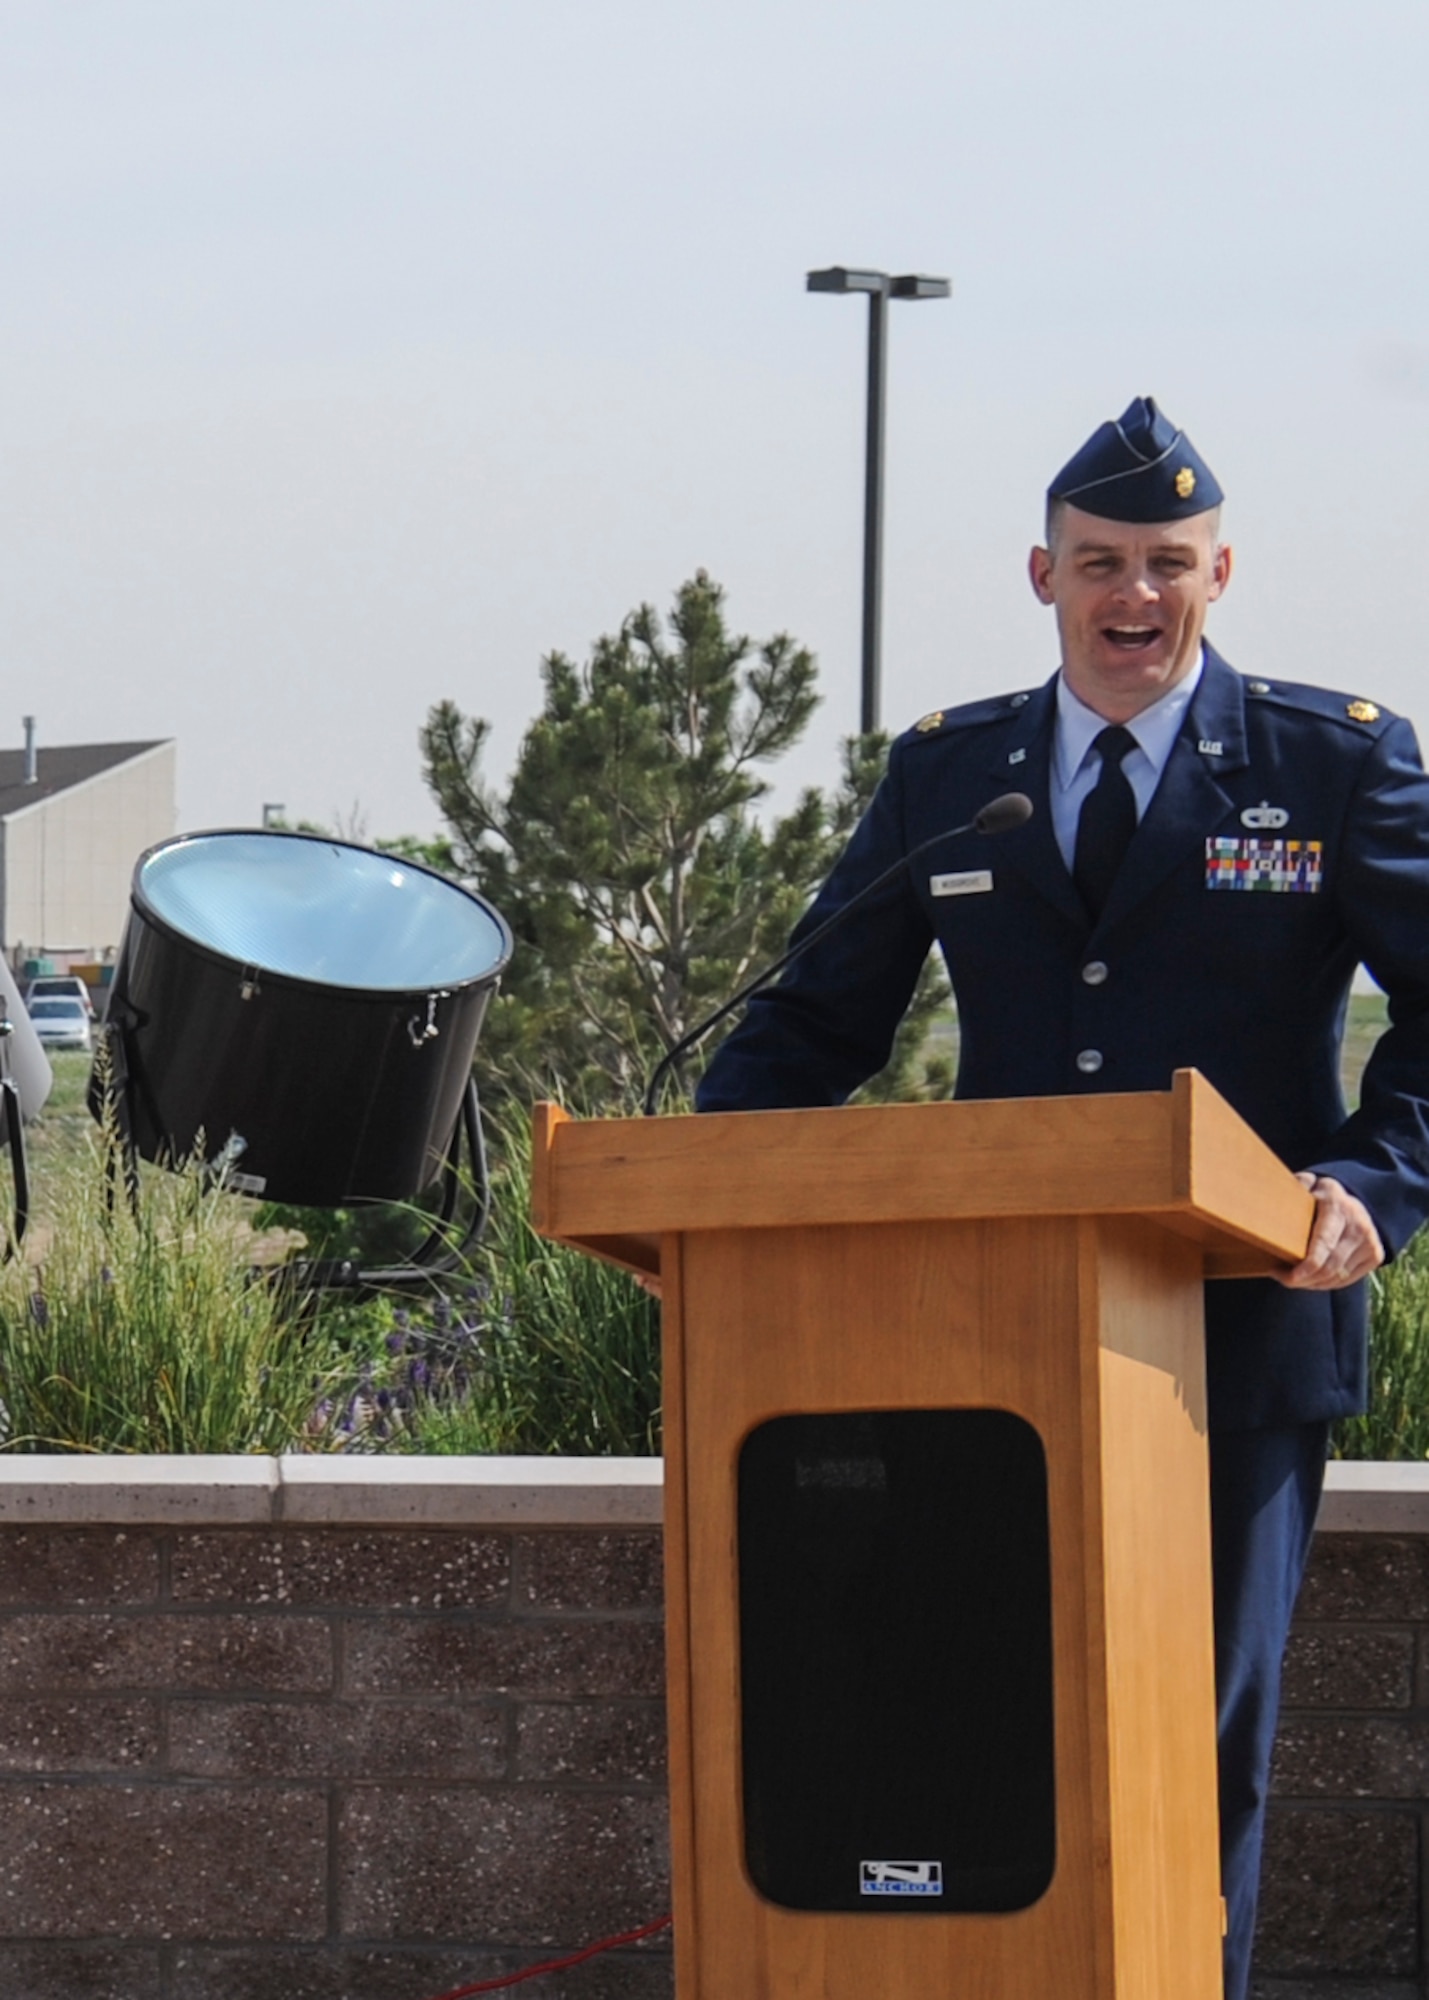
{"points": [[1039, 569], [1222, 563]]}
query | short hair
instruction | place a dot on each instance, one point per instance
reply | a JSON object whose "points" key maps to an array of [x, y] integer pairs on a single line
{"points": [[1056, 508]]}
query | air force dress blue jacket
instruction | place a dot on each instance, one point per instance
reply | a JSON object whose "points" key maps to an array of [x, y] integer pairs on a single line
{"points": [[1287, 842]]}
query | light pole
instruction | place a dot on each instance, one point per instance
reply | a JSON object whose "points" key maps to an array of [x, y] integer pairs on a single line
{"points": [[880, 287]]}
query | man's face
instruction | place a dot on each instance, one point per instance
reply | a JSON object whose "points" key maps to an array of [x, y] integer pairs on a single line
{"points": [[1131, 602]]}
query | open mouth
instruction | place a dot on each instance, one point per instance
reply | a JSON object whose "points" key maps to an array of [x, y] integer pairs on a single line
{"points": [[1131, 638]]}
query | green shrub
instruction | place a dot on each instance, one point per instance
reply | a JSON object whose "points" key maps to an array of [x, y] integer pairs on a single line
{"points": [[566, 1359], [1396, 1424], [140, 1327], [533, 1348]]}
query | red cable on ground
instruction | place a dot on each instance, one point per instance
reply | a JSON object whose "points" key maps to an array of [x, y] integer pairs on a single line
{"points": [[556, 1964]]}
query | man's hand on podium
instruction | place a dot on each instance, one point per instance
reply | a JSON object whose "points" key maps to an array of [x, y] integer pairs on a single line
{"points": [[1344, 1243]]}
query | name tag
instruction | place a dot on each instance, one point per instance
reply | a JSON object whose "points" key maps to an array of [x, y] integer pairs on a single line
{"points": [[973, 882], [1276, 867]]}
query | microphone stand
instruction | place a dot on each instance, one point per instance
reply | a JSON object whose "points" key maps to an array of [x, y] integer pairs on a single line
{"points": [[999, 815]]}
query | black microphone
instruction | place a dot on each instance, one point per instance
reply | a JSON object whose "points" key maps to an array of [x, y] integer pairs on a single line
{"points": [[999, 815]]}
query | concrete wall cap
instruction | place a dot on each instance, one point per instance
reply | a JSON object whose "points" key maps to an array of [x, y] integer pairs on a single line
{"points": [[1375, 1497], [473, 1492], [1361, 1496], [199, 1489], [361, 1491]]}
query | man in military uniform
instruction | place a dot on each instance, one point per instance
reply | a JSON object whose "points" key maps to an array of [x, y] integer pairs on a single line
{"points": [[1209, 859]]}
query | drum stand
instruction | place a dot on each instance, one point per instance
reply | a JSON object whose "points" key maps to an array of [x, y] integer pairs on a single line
{"points": [[437, 1256]]}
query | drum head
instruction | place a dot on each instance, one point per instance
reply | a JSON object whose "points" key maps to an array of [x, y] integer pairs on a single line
{"points": [[322, 911]]}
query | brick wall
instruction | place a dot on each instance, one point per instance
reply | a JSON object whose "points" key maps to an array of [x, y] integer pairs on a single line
{"points": [[1343, 1903], [369, 1738], [308, 1764]]}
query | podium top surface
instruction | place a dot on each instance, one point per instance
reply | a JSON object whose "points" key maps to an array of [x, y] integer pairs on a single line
{"points": [[1181, 1156]]}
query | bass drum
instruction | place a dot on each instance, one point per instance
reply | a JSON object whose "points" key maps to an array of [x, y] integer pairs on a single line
{"points": [[302, 1010]]}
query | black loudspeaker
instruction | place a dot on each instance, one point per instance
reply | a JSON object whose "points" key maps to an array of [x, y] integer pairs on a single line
{"points": [[896, 1661]]}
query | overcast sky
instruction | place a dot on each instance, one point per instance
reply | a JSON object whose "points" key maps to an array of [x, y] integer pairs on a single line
{"points": [[355, 353]]}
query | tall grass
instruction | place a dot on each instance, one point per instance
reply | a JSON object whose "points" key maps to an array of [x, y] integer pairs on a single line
{"points": [[139, 1328], [534, 1349], [1396, 1425]]}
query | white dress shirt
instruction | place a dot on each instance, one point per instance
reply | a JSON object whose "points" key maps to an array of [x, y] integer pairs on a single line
{"points": [[1076, 766]]}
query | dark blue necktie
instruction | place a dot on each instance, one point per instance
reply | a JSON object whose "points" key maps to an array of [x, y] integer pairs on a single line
{"points": [[1106, 823]]}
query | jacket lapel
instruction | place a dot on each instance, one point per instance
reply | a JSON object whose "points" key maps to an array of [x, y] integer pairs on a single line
{"points": [[1023, 764], [1190, 802]]}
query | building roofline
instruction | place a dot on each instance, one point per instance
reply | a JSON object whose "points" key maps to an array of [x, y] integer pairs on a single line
{"points": [[139, 756]]}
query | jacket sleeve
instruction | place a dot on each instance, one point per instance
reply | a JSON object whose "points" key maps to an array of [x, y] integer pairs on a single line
{"points": [[829, 1022], [1381, 1152]]}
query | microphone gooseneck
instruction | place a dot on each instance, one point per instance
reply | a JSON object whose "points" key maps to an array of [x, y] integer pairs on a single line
{"points": [[999, 815]]}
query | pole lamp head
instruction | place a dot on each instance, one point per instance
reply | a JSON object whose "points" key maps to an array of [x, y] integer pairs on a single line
{"points": [[912, 286], [840, 278]]}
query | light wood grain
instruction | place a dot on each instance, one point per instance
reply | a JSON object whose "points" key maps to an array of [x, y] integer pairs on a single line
{"points": [[1180, 1155], [1148, 1475], [898, 1316], [546, 1121], [1229, 1176], [678, 1662], [792, 1284]]}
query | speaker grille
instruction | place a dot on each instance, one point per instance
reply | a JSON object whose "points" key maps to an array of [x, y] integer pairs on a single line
{"points": [[896, 1661]]}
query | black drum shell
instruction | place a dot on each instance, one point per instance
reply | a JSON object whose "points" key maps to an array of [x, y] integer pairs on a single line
{"points": [[336, 1094]]}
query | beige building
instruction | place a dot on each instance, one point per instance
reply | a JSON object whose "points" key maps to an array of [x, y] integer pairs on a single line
{"points": [[73, 821]]}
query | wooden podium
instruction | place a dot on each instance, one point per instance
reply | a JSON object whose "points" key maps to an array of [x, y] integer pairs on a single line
{"points": [[942, 1716]]}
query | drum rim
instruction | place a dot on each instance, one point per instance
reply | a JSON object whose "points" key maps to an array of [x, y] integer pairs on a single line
{"points": [[144, 907]]}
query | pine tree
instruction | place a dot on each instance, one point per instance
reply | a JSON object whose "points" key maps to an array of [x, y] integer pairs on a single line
{"points": [[626, 855]]}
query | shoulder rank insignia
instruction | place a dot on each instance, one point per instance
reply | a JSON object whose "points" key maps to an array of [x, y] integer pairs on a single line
{"points": [[1361, 711], [935, 721]]}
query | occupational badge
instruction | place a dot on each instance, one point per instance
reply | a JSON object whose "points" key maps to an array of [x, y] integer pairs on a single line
{"points": [[1264, 815], [1284, 867], [1361, 711], [933, 721], [1185, 483]]}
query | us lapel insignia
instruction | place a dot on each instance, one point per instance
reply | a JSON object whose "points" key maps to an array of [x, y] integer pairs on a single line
{"points": [[933, 721], [1264, 815], [1017, 756], [1209, 747], [1283, 867], [1361, 711]]}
